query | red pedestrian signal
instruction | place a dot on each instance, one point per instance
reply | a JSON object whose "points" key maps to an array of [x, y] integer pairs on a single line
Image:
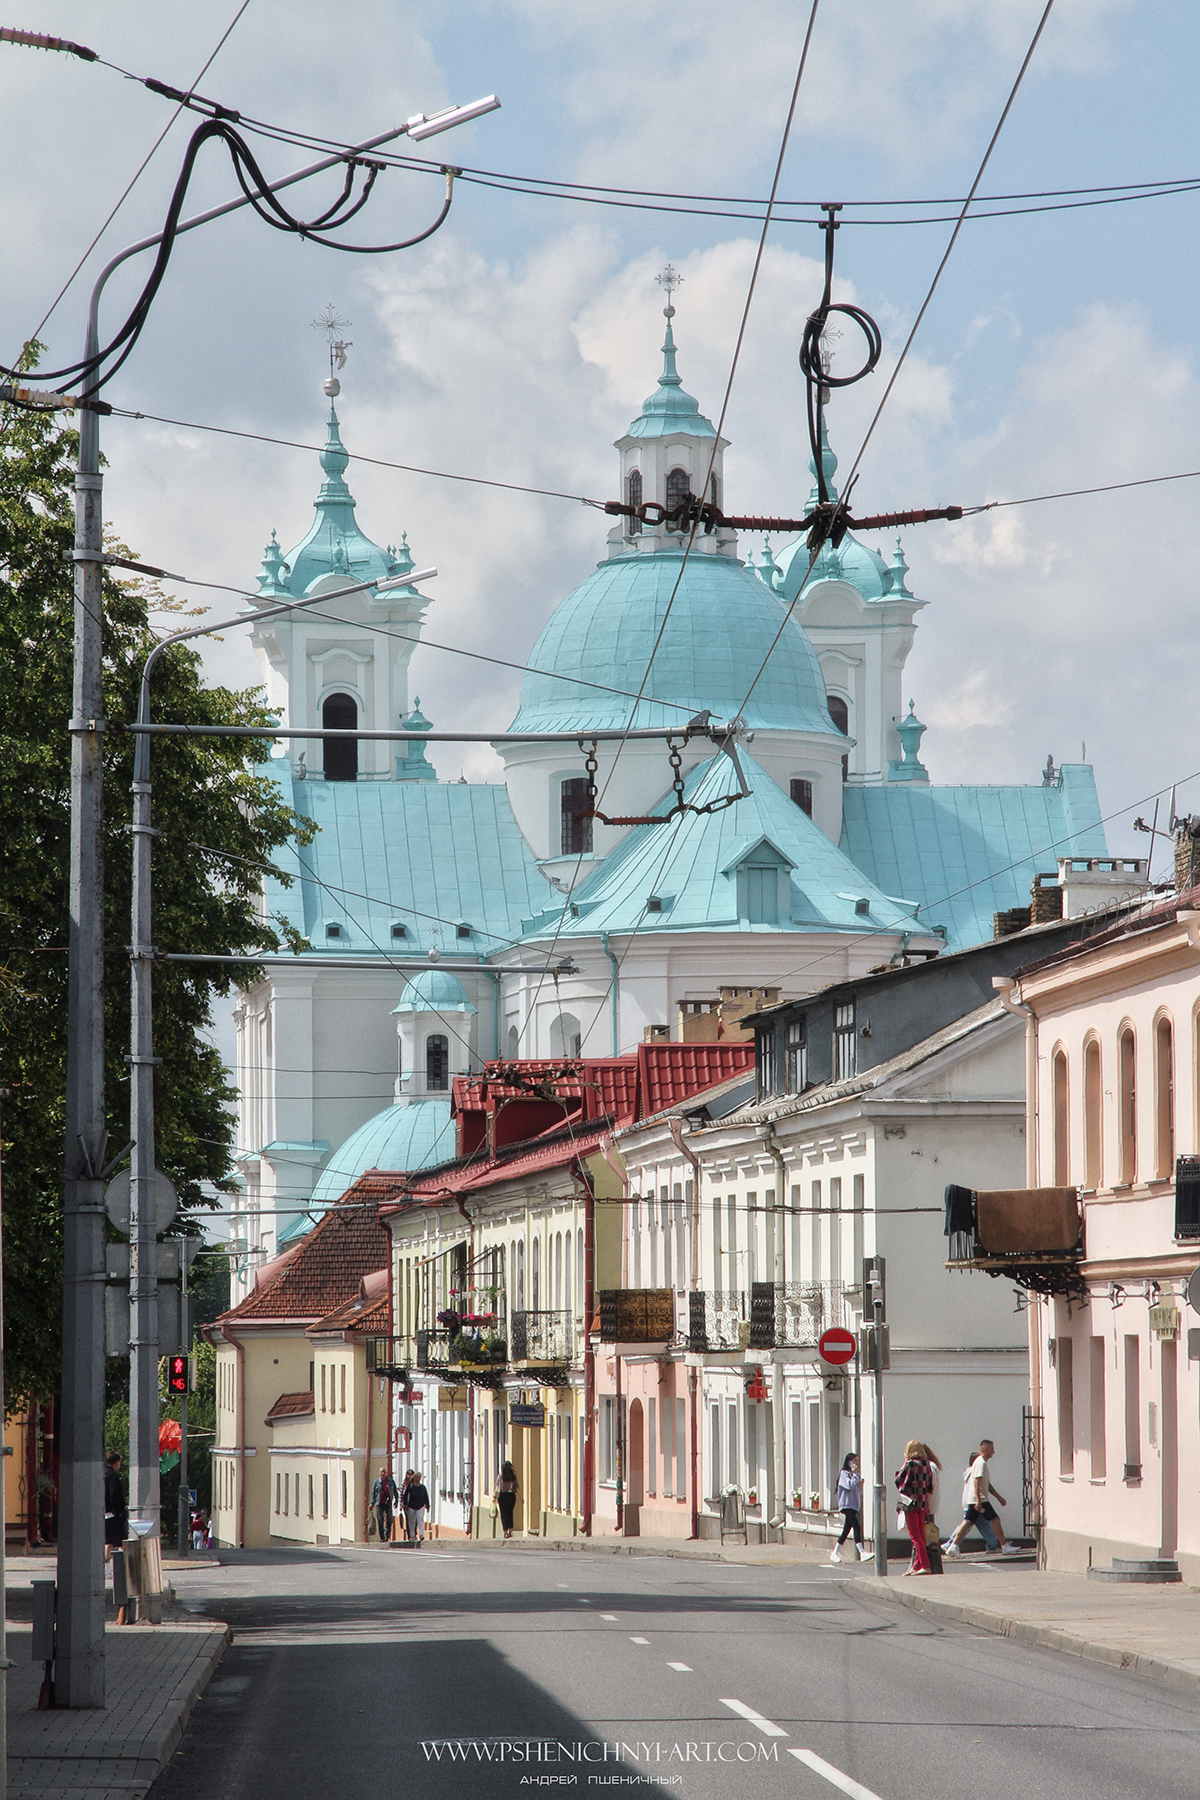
{"points": [[177, 1374]]}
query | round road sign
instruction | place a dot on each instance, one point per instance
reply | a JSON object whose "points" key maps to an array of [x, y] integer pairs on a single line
{"points": [[1193, 1290], [837, 1345]]}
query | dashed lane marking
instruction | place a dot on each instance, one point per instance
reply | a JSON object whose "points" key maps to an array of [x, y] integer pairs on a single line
{"points": [[754, 1718], [846, 1783], [634, 1640], [683, 1668]]}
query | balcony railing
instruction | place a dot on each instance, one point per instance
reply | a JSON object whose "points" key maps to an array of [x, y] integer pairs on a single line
{"points": [[717, 1320], [793, 1314], [466, 1350], [1034, 1236], [637, 1315], [542, 1337], [433, 1349], [389, 1356]]}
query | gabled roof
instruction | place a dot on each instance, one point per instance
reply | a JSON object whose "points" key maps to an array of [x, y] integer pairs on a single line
{"points": [[324, 1271], [367, 1315], [688, 860], [292, 1406], [967, 852]]}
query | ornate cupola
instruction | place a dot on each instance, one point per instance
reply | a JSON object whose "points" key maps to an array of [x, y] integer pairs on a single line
{"points": [[669, 451]]}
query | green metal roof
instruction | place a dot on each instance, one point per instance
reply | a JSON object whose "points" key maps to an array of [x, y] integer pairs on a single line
{"points": [[670, 412]]}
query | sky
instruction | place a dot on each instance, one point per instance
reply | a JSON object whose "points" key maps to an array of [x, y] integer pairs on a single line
{"points": [[1059, 351]]}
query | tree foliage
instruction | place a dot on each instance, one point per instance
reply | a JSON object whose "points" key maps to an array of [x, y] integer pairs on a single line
{"points": [[214, 801]]}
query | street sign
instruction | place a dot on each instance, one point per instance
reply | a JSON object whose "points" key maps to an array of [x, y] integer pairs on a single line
{"points": [[116, 1201], [1193, 1290], [837, 1345], [534, 1415]]}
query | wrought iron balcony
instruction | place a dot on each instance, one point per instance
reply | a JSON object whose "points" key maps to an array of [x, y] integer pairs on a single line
{"points": [[1034, 1236], [792, 1315], [542, 1337], [433, 1349], [389, 1357], [717, 1320], [637, 1315]]}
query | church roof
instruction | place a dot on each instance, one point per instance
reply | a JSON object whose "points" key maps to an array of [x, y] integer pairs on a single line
{"points": [[717, 636], [425, 855], [670, 412], [968, 852], [433, 990], [691, 867], [398, 1139]]}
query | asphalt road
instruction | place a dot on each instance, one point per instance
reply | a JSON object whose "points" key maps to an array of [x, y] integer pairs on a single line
{"points": [[452, 1672]]}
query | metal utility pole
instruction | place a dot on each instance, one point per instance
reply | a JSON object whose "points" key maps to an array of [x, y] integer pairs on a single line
{"points": [[144, 1486], [3, 1508], [185, 1335], [881, 1555]]}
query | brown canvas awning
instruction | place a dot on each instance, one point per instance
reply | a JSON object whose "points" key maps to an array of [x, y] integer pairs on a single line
{"points": [[1028, 1221]]}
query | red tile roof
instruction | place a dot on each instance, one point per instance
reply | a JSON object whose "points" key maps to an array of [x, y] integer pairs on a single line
{"points": [[292, 1406], [329, 1265], [669, 1073], [367, 1315]]}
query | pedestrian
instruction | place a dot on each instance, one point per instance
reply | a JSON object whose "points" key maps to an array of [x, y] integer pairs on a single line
{"points": [[116, 1513], [977, 1505], [416, 1505], [849, 1499], [199, 1530], [933, 1537], [384, 1496], [914, 1479], [507, 1489]]}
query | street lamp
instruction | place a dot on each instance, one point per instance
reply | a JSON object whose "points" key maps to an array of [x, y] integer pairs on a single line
{"points": [[144, 1492]]}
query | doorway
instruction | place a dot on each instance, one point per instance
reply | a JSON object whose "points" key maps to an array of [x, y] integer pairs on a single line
{"points": [[637, 1456], [1170, 1447]]}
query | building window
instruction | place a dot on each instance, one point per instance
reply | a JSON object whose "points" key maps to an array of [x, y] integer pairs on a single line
{"points": [[762, 895], [1093, 1115], [322, 1387], [679, 490], [1128, 1116], [712, 490], [576, 825], [310, 1496], [566, 1036], [1164, 1101], [1066, 1405], [278, 1493], [633, 494], [764, 1050], [1059, 1101], [535, 1276], [340, 755], [715, 1455], [608, 1437], [1133, 1410], [325, 1496], [652, 1458], [342, 1384], [297, 1493], [839, 712], [437, 1062], [845, 1043], [797, 1057], [1099, 1441], [345, 1496], [287, 1488], [801, 791]]}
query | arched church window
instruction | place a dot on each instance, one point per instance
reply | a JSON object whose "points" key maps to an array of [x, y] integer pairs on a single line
{"points": [[633, 495], [679, 488], [839, 712], [437, 1062], [512, 1041], [712, 490], [801, 791], [340, 713], [566, 1036], [576, 828]]}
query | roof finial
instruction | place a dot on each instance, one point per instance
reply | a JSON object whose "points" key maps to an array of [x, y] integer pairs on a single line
{"points": [[669, 280], [332, 326]]}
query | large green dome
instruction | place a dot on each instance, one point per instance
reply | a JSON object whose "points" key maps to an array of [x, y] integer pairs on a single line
{"points": [[719, 632]]}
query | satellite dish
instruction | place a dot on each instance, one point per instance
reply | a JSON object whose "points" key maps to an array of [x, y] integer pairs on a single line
{"points": [[1193, 1290], [116, 1201]]}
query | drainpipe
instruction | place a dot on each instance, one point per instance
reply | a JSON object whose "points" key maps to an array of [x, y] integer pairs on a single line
{"points": [[695, 1453], [616, 988], [589, 1355], [1008, 990], [1191, 920], [241, 1440], [777, 1402]]}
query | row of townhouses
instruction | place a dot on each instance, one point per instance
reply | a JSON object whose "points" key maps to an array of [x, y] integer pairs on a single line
{"points": [[620, 1279]]}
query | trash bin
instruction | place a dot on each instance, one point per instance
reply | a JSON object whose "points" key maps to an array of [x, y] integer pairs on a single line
{"points": [[733, 1514]]}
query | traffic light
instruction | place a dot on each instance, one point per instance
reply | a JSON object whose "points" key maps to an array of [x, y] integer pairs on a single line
{"points": [[756, 1387], [177, 1375]]}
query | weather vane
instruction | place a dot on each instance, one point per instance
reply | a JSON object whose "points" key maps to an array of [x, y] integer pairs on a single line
{"points": [[668, 281], [333, 326]]}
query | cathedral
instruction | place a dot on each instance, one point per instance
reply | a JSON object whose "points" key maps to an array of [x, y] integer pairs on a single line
{"points": [[453, 922]]}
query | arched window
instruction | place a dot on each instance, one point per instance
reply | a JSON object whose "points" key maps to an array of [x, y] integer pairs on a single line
{"points": [[340, 755], [1093, 1115], [1164, 1101], [566, 1036], [1128, 1115], [535, 1277], [679, 489], [576, 824], [839, 712], [558, 1272], [712, 490], [801, 792], [437, 1062], [633, 495], [1059, 1078], [520, 1262], [580, 1291], [513, 1041]]}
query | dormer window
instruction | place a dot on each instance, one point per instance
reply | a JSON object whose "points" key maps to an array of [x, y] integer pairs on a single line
{"points": [[463, 931], [333, 932], [576, 825], [399, 933], [762, 894], [633, 496], [679, 489]]}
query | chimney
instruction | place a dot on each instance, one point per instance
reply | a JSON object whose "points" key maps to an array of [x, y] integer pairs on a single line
{"points": [[1047, 901]]}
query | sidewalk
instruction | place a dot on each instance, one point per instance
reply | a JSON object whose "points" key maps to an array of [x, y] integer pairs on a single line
{"points": [[154, 1674], [1148, 1630]]}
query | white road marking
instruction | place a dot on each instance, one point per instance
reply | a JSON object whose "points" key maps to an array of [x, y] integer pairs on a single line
{"points": [[582, 1601], [819, 1766], [683, 1668], [611, 1617], [755, 1718], [634, 1640]]}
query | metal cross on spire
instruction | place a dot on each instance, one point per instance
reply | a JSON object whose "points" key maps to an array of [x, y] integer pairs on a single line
{"points": [[669, 280], [332, 326]]}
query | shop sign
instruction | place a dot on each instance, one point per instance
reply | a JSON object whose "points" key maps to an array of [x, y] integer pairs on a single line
{"points": [[452, 1399], [533, 1415]]}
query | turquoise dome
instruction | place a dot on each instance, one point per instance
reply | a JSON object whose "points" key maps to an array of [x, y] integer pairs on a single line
{"points": [[722, 625], [433, 990], [400, 1138]]}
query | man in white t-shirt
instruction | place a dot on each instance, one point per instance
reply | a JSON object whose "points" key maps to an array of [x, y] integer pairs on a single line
{"points": [[977, 1504]]}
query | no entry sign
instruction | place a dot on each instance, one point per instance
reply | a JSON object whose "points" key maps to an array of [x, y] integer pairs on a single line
{"points": [[837, 1346]]}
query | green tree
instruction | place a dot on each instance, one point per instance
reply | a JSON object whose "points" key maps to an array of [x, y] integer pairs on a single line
{"points": [[214, 803]]}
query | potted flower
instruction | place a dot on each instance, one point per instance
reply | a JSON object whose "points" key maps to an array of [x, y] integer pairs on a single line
{"points": [[752, 1497], [798, 1499], [449, 1319]]}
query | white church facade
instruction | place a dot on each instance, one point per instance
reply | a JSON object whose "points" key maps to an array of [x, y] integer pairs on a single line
{"points": [[453, 922]]}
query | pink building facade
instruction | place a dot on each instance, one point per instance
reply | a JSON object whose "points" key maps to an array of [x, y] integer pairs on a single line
{"points": [[1114, 1096]]}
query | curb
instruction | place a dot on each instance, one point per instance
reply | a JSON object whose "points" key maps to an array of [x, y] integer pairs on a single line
{"points": [[1045, 1637], [200, 1680]]}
